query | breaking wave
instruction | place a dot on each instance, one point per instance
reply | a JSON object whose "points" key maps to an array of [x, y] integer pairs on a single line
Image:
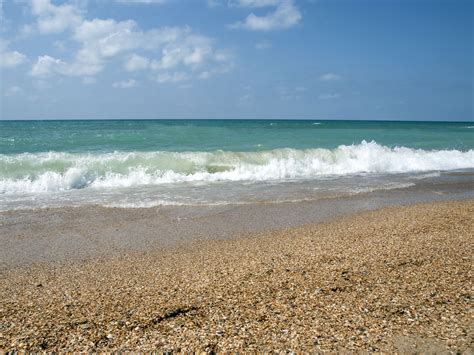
{"points": [[56, 171]]}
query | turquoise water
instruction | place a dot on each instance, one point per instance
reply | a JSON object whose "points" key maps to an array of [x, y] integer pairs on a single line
{"points": [[140, 163], [229, 135]]}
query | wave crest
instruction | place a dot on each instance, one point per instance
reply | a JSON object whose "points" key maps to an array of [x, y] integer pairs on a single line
{"points": [[46, 172]]}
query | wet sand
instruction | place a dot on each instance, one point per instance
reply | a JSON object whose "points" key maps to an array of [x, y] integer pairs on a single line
{"points": [[395, 279], [81, 233]]}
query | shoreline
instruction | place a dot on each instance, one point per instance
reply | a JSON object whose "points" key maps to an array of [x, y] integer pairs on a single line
{"points": [[393, 279], [87, 232]]}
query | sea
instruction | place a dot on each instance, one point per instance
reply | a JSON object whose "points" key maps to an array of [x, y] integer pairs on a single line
{"points": [[148, 163]]}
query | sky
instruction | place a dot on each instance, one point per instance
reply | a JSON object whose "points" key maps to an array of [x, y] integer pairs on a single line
{"points": [[237, 59]]}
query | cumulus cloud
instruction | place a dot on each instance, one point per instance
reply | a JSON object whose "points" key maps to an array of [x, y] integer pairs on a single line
{"points": [[330, 77], [106, 38], [192, 51], [171, 49], [285, 15], [127, 84], [55, 18], [136, 62], [11, 59], [8, 58], [46, 66]]}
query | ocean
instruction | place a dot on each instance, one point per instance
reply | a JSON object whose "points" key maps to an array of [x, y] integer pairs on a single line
{"points": [[146, 163]]}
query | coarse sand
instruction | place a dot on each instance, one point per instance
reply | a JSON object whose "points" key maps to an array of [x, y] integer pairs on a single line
{"points": [[395, 279]]}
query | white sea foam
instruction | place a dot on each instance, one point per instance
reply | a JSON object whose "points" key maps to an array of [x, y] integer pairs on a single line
{"points": [[47, 172]]}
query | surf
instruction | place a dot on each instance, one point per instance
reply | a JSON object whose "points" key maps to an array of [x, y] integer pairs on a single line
{"points": [[60, 171]]}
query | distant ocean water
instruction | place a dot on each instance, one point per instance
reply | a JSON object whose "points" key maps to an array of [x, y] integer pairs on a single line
{"points": [[141, 163]]}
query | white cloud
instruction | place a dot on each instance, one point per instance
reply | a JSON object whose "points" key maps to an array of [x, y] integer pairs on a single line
{"points": [[136, 62], [192, 51], [46, 66], [172, 49], [329, 96], [172, 78], [330, 77], [285, 15], [106, 38], [13, 90], [131, 83], [10, 59], [263, 45], [55, 18]]}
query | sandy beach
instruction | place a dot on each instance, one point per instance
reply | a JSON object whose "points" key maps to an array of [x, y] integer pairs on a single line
{"points": [[394, 279], [236, 176]]}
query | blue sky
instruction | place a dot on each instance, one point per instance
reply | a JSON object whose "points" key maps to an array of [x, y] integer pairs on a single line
{"points": [[231, 59]]}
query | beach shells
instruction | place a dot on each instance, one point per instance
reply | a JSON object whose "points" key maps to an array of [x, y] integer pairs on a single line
{"points": [[398, 279]]}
